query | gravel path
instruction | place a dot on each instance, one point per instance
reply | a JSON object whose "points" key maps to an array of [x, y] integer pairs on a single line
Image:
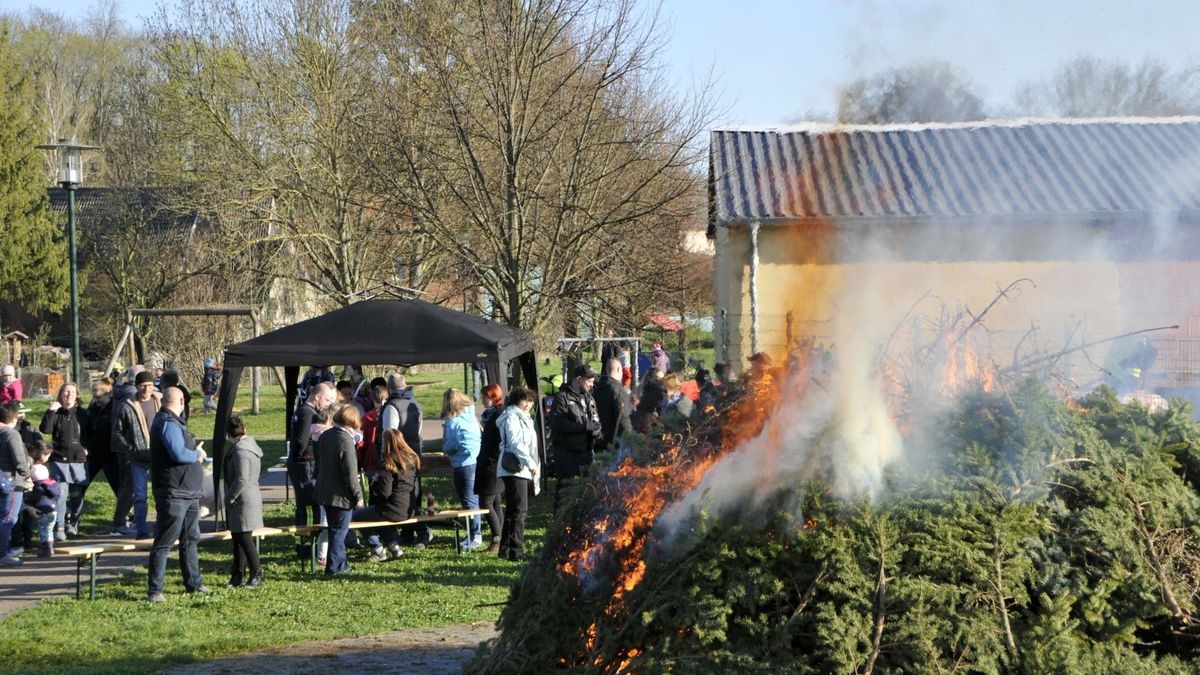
{"points": [[426, 650]]}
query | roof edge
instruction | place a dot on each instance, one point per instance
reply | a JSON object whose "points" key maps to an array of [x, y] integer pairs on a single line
{"points": [[839, 127]]}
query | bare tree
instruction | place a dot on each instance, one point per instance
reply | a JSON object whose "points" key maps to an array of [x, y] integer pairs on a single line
{"points": [[932, 91], [1087, 86], [533, 143], [76, 66], [271, 99]]}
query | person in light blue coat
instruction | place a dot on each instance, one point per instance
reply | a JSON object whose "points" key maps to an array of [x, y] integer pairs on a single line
{"points": [[461, 439], [520, 469]]}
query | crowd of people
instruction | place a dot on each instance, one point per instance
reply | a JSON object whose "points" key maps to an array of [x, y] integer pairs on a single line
{"points": [[134, 434], [354, 453]]}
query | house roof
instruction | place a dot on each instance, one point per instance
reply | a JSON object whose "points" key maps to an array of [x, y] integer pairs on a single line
{"points": [[102, 204], [953, 170]]}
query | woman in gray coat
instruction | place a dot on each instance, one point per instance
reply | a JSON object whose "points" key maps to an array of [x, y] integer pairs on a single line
{"points": [[243, 501]]}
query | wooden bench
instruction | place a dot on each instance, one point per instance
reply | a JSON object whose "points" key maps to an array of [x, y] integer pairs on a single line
{"points": [[310, 533], [88, 554]]}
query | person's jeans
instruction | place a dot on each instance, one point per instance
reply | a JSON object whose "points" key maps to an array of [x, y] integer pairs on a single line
{"points": [[10, 506], [516, 498], [379, 537], [46, 527], [140, 477], [177, 519], [339, 525], [464, 485], [70, 496]]}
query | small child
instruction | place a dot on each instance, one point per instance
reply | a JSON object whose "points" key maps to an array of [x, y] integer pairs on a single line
{"points": [[22, 537], [44, 499]]}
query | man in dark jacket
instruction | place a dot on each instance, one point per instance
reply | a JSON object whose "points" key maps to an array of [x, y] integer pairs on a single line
{"points": [[612, 404], [131, 443], [177, 470], [574, 427], [97, 437], [302, 464]]}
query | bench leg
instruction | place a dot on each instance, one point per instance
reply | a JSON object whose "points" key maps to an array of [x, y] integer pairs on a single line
{"points": [[457, 541], [78, 577], [92, 588]]}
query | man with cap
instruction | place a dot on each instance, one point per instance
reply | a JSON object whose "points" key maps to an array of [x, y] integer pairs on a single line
{"points": [[10, 386], [575, 428], [131, 442]]}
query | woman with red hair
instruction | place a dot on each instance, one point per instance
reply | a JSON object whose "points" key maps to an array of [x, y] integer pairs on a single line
{"points": [[487, 485]]}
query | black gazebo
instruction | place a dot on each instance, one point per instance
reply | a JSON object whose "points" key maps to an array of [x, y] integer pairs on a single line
{"points": [[375, 332]]}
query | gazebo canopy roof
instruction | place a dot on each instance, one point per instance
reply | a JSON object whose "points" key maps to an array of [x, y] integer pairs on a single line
{"points": [[376, 332]]}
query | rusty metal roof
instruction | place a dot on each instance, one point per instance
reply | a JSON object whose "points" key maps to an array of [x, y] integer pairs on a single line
{"points": [[953, 170]]}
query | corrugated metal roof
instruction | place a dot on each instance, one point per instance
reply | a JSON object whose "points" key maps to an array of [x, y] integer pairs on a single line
{"points": [[967, 169]]}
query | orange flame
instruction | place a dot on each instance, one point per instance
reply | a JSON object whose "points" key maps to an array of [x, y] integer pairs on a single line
{"points": [[645, 491]]}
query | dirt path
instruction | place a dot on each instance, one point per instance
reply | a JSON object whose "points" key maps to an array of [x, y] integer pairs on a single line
{"points": [[424, 650]]}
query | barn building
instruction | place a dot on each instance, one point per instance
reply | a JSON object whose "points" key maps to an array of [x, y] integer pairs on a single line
{"points": [[1094, 220]]}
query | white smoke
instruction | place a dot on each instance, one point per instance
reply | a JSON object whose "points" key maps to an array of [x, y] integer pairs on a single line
{"points": [[840, 430]]}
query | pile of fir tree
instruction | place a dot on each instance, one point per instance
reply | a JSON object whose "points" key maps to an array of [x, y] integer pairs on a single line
{"points": [[1047, 537]]}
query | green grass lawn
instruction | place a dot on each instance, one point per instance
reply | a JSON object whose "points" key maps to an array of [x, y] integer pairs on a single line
{"points": [[121, 632]]}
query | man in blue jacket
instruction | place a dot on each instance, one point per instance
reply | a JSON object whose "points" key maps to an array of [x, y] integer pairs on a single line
{"points": [[176, 469]]}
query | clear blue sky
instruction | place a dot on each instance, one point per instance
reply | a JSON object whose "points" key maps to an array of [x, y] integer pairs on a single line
{"points": [[776, 59]]}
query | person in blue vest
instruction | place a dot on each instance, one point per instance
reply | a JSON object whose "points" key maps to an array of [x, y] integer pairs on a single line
{"points": [[177, 473]]}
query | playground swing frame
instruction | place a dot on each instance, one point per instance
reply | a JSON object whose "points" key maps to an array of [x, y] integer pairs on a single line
{"points": [[131, 329]]}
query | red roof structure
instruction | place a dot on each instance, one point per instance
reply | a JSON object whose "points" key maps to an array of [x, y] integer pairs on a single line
{"points": [[663, 322]]}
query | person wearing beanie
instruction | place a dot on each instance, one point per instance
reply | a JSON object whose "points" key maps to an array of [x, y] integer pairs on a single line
{"points": [[131, 442]]}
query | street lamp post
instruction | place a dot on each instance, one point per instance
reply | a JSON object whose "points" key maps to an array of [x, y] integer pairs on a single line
{"points": [[70, 175]]}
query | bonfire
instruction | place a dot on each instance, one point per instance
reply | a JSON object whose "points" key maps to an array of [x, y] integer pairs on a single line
{"points": [[926, 513]]}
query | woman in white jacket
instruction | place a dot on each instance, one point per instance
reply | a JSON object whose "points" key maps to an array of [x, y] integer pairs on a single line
{"points": [[519, 469]]}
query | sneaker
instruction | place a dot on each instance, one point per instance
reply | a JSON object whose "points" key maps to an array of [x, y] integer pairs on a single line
{"points": [[470, 544], [73, 528], [321, 562], [9, 561], [60, 535], [125, 531], [16, 551], [378, 555], [200, 590], [395, 550], [156, 597]]}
